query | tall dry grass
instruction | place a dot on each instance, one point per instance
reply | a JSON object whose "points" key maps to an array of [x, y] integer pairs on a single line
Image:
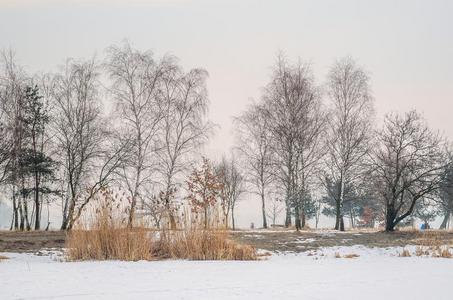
{"points": [[2, 257], [107, 239], [105, 236], [200, 244]]}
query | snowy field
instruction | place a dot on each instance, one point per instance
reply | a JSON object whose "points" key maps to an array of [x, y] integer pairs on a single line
{"points": [[375, 274]]}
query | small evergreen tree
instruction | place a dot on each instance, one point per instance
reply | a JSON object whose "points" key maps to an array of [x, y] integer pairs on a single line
{"points": [[358, 203], [36, 167]]}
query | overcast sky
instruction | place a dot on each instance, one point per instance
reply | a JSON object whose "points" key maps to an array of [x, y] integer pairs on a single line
{"points": [[407, 46]]}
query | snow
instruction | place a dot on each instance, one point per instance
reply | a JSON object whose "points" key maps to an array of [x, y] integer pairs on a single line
{"points": [[365, 253], [376, 274], [305, 241]]}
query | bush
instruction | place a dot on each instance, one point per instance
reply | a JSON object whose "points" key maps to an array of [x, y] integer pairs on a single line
{"points": [[106, 238], [2, 257], [405, 253], [197, 244]]}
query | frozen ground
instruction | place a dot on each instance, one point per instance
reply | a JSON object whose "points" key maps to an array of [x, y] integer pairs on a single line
{"points": [[376, 274]]}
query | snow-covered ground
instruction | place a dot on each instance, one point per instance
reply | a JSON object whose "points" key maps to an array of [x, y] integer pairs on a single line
{"points": [[376, 274]]}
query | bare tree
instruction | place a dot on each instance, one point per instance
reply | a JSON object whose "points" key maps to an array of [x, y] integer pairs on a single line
{"points": [[109, 160], [350, 126], [184, 129], [317, 210], [80, 134], [293, 108], [274, 209], [232, 188], [12, 86], [5, 137], [408, 165], [136, 86], [445, 199], [254, 146]]}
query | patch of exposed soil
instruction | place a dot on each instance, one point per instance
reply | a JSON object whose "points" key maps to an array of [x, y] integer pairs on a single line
{"points": [[31, 241], [292, 241], [271, 240]]}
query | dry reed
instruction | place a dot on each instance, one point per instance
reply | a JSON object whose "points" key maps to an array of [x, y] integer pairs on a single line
{"points": [[2, 257], [405, 253], [107, 237], [199, 244], [351, 255]]}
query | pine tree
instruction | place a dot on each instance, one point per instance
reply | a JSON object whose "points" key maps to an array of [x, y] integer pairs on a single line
{"points": [[35, 166]]}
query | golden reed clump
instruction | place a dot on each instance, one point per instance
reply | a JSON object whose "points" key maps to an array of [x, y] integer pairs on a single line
{"points": [[107, 237], [200, 244]]}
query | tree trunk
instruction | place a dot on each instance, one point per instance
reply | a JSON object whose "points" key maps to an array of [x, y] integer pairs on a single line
{"points": [[389, 219], [67, 221], [263, 210], [297, 217], [25, 211], [288, 208], [132, 212], [288, 222], [303, 219], [168, 206], [341, 199], [37, 204], [232, 218], [341, 223], [15, 212], [351, 218], [206, 218], [21, 214], [64, 223], [445, 220], [226, 217], [172, 222], [337, 215]]}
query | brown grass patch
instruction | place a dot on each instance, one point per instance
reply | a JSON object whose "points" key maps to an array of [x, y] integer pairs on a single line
{"points": [[198, 244], [107, 237], [405, 253], [430, 238], [264, 254], [421, 251], [2, 257], [442, 252], [352, 255]]}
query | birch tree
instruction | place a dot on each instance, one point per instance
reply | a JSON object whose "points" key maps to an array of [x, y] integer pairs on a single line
{"points": [[350, 127], [254, 146], [185, 129], [84, 142], [136, 82], [13, 80], [294, 110], [232, 182]]}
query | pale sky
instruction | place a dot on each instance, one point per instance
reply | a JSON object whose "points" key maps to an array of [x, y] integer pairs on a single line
{"points": [[407, 46]]}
